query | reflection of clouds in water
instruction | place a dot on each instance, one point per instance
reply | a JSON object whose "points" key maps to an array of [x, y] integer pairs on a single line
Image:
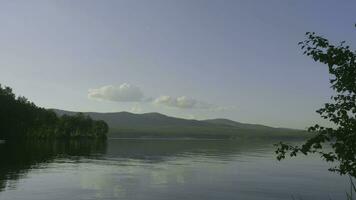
{"points": [[134, 179], [95, 181], [102, 181], [114, 180], [163, 170], [159, 177], [168, 176]]}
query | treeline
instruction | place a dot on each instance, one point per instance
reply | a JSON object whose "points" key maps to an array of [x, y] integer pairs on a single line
{"points": [[20, 118]]}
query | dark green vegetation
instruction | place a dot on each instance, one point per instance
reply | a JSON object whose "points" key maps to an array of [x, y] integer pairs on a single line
{"points": [[341, 62], [155, 125], [20, 118]]}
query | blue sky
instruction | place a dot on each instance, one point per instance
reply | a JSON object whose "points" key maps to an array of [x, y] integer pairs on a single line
{"points": [[192, 59]]}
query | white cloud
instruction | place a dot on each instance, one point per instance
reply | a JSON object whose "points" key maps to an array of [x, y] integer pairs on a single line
{"points": [[225, 108], [191, 117], [181, 102], [136, 109], [130, 93], [122, 93]]}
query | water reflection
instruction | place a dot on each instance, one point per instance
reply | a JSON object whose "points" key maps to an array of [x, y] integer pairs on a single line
{"points": [[17, 158], [160, 170], [161, 150]]}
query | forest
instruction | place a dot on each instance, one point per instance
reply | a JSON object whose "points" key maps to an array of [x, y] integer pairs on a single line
{"points": [[22, 119]]}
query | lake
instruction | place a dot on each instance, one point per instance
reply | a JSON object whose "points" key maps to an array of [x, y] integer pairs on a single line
{"points": [[161, 170]]}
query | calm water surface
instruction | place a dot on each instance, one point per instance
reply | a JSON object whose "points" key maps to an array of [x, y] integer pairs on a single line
{"points": [[161, 170]]}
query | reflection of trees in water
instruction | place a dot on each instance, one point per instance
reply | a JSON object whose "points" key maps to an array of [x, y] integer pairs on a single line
{"points": [[161, 150], [17, 158]]}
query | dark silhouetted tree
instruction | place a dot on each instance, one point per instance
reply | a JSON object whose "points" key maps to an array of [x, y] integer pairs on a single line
{"points": [[20, 118], [341, 112]]}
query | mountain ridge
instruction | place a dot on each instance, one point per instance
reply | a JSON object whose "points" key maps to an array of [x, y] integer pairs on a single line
{"points": [[126, 124]]}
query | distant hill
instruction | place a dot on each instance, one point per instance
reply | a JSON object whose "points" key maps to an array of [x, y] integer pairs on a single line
{"points": [[229, 122], [156, 125]]}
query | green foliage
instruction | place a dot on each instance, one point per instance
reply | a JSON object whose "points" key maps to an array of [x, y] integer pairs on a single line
{"points": [[22, 119], [341, 112]]}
